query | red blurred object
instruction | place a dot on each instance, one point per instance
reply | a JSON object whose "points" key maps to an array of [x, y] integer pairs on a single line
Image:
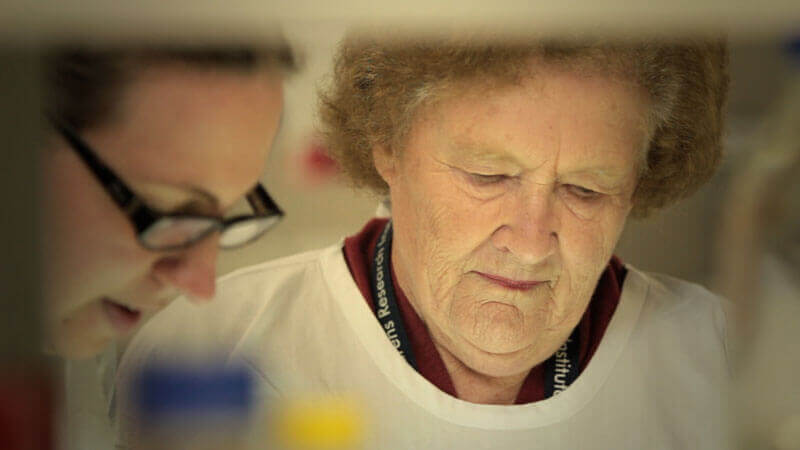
{"points": [[26, 409], [317, 166]]}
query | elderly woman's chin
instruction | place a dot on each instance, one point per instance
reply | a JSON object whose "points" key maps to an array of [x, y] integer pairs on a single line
{"points": [[498, 340], [493, 359]]}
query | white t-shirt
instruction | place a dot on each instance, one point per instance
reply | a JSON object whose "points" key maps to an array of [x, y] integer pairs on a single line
{"points": [[657, 380], [87, 417]]}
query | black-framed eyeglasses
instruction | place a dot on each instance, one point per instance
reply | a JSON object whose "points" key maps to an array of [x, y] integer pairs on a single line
{"points": [[176, 231]]}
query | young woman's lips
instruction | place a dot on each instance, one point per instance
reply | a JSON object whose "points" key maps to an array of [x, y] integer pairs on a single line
{"points": [[517, 285], [121, 317]]}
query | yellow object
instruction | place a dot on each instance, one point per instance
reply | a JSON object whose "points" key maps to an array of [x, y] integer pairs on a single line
{"points": [[320, 422]]}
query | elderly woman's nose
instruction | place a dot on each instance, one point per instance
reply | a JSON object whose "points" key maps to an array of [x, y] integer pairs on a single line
{"points": [[529, 230]]}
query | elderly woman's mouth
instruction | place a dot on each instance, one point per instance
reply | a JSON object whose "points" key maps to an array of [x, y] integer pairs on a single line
{"points": [[508, 283]]}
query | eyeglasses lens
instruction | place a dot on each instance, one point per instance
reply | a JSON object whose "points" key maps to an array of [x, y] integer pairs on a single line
{"points": [[174, 232], [242, 232]]}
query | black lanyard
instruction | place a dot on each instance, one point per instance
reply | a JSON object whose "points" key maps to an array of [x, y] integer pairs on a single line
{"points": [[560, 370], [383, 295]]}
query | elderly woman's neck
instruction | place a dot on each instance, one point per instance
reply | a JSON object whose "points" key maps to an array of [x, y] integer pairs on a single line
{"points": [[475, 387]]}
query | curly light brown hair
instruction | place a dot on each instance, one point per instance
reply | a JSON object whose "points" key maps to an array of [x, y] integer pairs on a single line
{"points": [[378, 86]]}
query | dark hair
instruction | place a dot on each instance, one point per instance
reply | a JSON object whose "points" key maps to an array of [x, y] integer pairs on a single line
{"points": [[378, 86], [83, 84]]}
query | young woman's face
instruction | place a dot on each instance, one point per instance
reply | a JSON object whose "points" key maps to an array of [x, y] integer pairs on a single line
{"points": [[186, 139]]}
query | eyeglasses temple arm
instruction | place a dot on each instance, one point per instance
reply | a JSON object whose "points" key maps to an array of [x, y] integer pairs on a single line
{"points": [[121, 194], [261, 202]]}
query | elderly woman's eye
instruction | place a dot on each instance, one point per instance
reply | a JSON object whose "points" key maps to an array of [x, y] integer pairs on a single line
{"points": [[482, 179], [582, 192]]}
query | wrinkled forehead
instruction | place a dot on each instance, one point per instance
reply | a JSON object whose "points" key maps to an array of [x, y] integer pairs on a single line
{"points": [[579, 83]]}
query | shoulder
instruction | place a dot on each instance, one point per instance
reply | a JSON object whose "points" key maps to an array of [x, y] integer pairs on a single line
{"points": [[259, 276], [667, 295], [688, 313], [243, 298], [251, 288]]}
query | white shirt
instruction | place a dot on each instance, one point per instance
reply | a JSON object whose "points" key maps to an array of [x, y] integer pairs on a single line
{"points": [[657, 380], [87, 419]]}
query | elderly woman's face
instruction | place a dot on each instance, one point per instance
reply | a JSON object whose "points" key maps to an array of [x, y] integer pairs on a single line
{"points": [[507, 205]]}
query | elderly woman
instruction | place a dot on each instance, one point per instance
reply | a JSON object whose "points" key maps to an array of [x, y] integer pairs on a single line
{"points": [[490, 312]]}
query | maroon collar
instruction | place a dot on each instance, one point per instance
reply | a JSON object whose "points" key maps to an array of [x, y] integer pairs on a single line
{"points": [[358, 250]]}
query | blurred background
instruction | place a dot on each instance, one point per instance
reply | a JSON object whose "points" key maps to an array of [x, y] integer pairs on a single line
{"points": [[689, 241]]}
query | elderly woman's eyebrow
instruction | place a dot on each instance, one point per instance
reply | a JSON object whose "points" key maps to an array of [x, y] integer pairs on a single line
{"points": [[483, 153], [606, 176]]}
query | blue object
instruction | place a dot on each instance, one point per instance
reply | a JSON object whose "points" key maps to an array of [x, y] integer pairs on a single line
{"points": [[170, 391]]}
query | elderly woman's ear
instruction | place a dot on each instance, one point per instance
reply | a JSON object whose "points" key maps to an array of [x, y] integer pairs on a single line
{"points": [[385, 163]]}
